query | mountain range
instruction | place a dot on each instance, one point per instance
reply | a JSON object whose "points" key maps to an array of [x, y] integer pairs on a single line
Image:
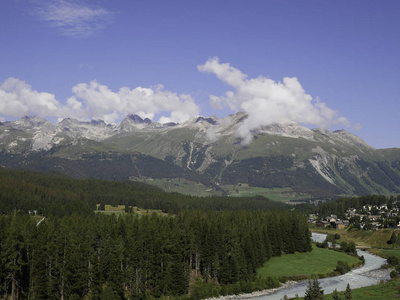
{"points": [[205, 156]]}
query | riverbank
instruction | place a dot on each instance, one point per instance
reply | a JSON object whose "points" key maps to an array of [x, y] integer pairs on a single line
{"points": [[367, 275], [364, 238], [285, 285], [373, 241]]}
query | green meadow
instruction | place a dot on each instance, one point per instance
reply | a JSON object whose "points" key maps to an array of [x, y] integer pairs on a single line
{"points": [[182, 186], [120, 210], [376, 239], [320, 262], [383, 291], [192, 188], [276, 194]]}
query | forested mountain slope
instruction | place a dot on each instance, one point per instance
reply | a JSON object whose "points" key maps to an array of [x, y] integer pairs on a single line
{"points": [[56, 194]]}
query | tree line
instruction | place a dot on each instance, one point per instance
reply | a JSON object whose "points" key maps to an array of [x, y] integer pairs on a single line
{"points": [[137, 257], [56, 194]]}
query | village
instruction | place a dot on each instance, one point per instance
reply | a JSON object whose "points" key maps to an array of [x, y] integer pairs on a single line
{"points": [[370, 217]]}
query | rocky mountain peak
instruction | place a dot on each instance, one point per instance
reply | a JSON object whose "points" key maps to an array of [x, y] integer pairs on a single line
{"points": [[138, 120], [238, 117], [208, 120], [350, 138], [134, 122], [279, 154], [97, 122], [288, 129], [202, 127], [170, 124], [28, 123]]}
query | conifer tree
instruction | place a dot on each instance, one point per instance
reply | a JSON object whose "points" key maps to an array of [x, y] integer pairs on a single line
{"points": [[314, 291], [347, 293], [393, 238], [108, 294], [335, 295], [14, 253], [40, 272]]}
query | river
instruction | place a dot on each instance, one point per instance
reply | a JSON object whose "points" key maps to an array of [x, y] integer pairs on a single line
{"points": [[364, 276]]}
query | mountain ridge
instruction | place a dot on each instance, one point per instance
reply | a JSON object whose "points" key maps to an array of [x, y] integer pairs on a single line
{"points": [[208, 151]]}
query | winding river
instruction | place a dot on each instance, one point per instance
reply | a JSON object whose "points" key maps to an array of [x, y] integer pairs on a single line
{"points": [[364, 276]]}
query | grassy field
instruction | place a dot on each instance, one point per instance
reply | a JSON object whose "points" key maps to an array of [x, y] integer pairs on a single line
{"points": [[367, 238], [318, 261], [188, 187], [390, 252], [385, 252], [276, 194], [182, 186], [382, 291], [120, 210]]}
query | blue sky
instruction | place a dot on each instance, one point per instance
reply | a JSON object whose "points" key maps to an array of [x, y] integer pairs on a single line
{"points": [[320, 63]]}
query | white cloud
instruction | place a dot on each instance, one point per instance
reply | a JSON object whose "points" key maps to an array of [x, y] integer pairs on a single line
{"points": [[224, 72], [18, 99], [72, 17], [96, 101], [267, 102]]}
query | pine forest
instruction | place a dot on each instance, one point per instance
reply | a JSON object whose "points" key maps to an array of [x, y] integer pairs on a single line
{"points": [[73, 252]]}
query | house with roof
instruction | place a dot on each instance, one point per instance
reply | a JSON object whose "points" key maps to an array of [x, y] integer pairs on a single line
{"points": [[323, 223]]}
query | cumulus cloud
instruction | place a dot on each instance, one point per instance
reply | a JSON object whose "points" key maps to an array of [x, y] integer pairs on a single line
{"points": [[73, 18], [267, 101], [96, 101], [18, 99]]}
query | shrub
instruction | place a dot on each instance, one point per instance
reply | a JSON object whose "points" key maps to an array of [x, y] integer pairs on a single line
{"points": [[393, 260], [342, 267]]}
